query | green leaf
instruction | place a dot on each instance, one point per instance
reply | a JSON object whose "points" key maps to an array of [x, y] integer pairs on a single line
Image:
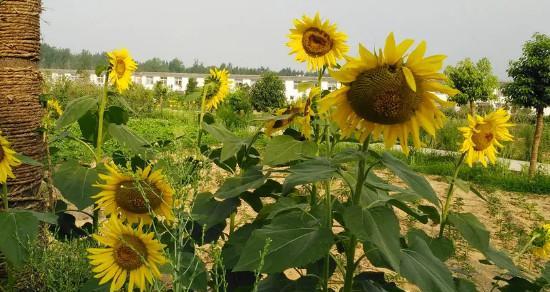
{"points": [[18, 230], [463, 285], [75, 183], [422, 268], [49, 218], [471, 229], [234, 247], [117, 115], [478, 193], [75, 109], [252, 178], [280, 283], [27, 160], [283, 149], [297, 239], [310, 171], [378, 225], [209, 211], [99, 69], [193, 272], [125, 136], [373, 282], [416, 182], [477, 236], [284, 204], [443, 248], [231, 143]]}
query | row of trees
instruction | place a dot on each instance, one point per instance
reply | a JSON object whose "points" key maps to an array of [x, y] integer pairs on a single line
{"points": [[529, 88], [59, 58]]}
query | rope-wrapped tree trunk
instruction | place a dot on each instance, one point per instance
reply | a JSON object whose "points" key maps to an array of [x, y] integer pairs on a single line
{"points": [[20, 87]]}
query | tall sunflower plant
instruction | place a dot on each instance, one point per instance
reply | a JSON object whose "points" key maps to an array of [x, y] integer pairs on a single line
{"points": [[322, 208], [99, 119]]}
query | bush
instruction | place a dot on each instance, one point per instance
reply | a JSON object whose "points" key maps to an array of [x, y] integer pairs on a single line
{"points": [[59, 266], [268, 92], [235, 111]]}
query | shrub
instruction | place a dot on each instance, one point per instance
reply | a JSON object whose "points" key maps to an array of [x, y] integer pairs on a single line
{"points": [[268, 92]]}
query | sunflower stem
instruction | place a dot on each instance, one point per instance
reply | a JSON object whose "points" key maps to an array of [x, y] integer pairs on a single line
{"points": [[450, 191], [201, 116], [5, 196], [356, 197], [328, 202], [526, 246], [99, 145]]}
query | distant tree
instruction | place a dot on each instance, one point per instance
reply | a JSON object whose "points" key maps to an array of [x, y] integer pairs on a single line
{"points": [[176, 65], [268, 92], [475, 81], [191, 86], [160, 91], [153, 65], [531, 85]]}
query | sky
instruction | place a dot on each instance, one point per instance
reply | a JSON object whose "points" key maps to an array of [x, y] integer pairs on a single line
{"points": [[253, 33]]}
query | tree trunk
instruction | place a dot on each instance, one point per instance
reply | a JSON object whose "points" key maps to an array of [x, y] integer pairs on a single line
{"points": [[472, 108], [20, 86], [536, 141]]}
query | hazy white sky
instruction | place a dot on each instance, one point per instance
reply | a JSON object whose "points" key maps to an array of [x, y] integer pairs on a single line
{"points": [[253, 32]]}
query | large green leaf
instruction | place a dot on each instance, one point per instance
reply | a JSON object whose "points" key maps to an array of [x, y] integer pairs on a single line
{"points": [[422, 268], [231, 143], [75, 109], [373, 282], [127, 137], [27, 160], [234, 247], [18, 230], [252, 178], [443, 248], [378, 225], [209, 211], [296, 239], [477, 236], [310, 171], [471, 229], [416, 182], [75, 181], [117, 115], [283, 149], [283, 204]]}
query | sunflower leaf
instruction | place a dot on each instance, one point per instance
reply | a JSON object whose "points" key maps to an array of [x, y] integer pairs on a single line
{"points": [[76, 109]]}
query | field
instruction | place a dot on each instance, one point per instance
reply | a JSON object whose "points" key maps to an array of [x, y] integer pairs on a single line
{"points": [[398, 175]]}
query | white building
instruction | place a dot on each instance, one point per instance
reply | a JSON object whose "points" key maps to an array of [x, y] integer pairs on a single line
{"points": [[178, 81]]}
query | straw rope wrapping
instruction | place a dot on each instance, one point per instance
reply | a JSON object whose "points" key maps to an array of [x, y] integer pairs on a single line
{"points": [[20, 87]]}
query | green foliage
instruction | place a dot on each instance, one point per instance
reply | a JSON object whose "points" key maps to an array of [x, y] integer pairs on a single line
{"points": [[531, 74], [268, 92], [191, 86], [57, 266], [236, 110], [18, 230], [475, 81], [74, 182]]}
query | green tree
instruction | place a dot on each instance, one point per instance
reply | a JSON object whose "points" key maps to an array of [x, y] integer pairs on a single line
{"points": [[176, 65], [160, 91], [531, 85], [191, 86], [268, 92], [475, 81]]}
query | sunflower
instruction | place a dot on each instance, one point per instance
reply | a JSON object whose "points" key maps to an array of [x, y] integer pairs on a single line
{"points": [[299, 114], [389, 94], [483, 135], [541, 244], [135, 197], [53, 105], [218, 88], [128, 254], [7, 160], [317, 42], [121, 68]]}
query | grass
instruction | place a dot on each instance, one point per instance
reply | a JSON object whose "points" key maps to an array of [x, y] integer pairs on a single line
{"points": [[494, 176]]}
